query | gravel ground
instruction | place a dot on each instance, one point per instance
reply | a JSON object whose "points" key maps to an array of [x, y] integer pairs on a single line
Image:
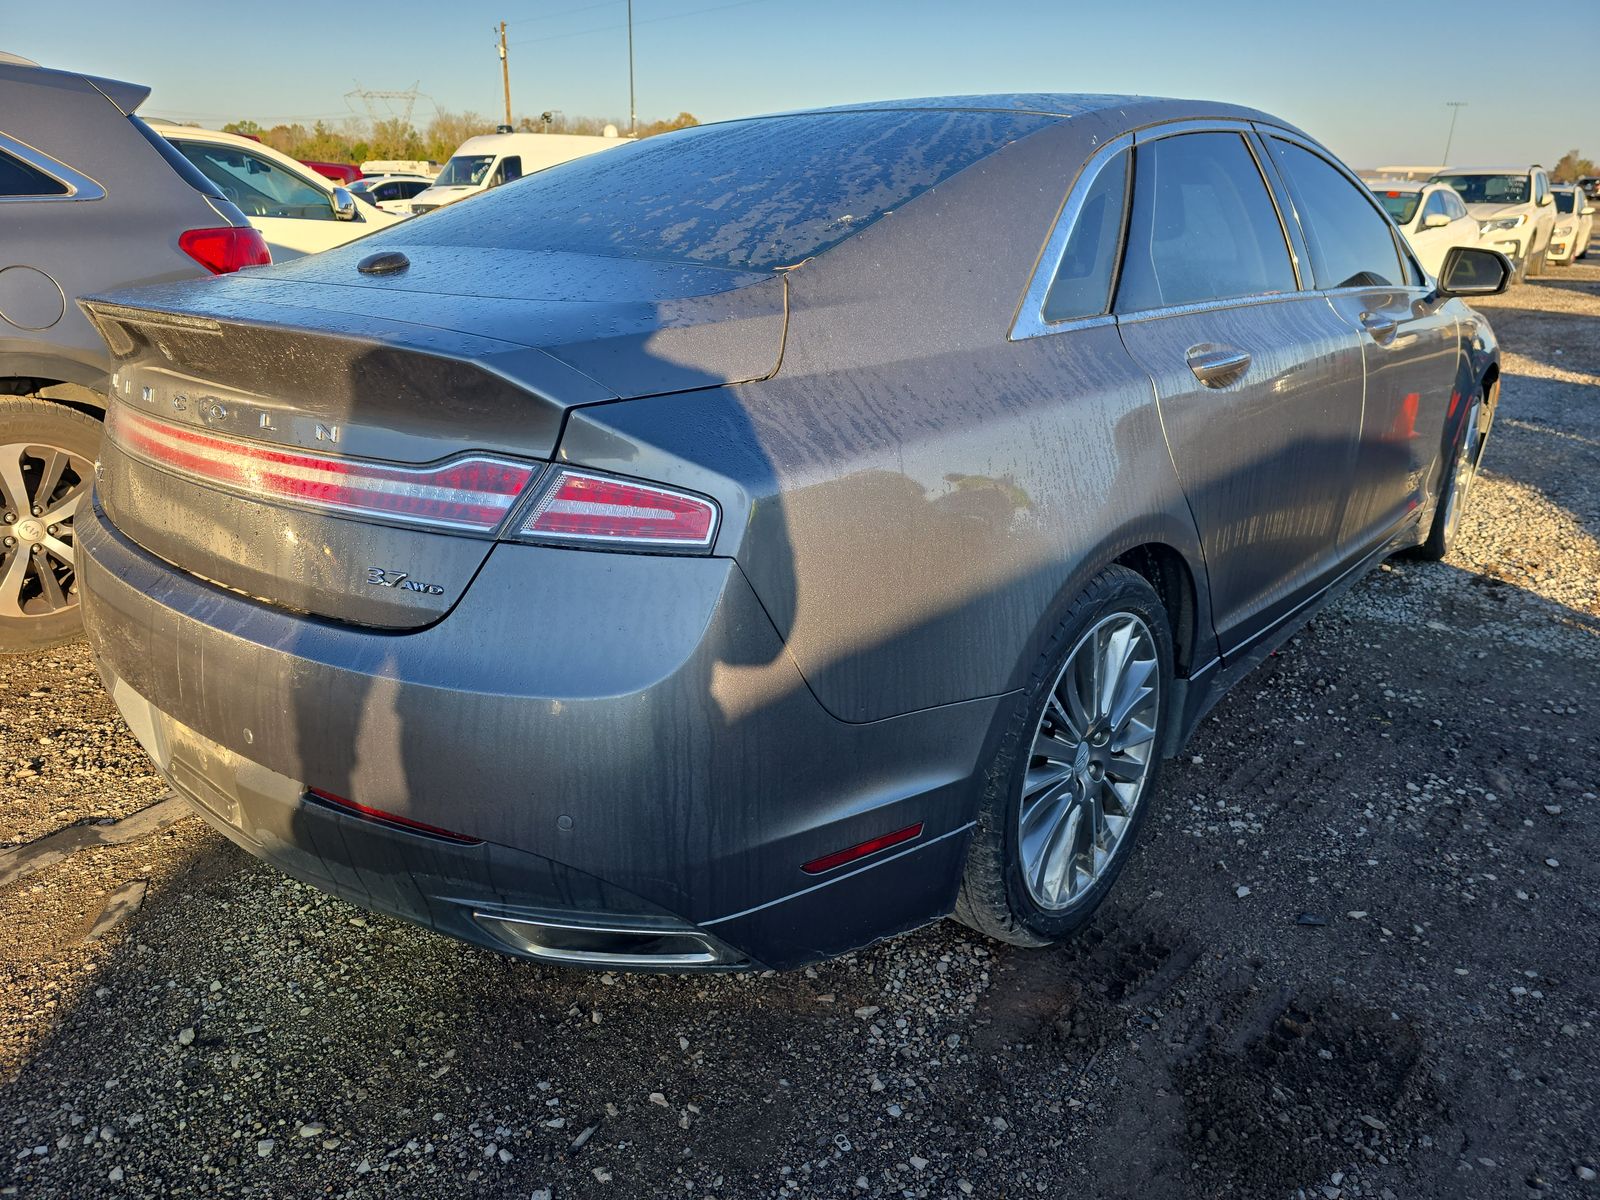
{"points": [[1355, 955]]}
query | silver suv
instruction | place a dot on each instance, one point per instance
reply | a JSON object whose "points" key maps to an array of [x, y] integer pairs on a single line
{"points": [[1514, 210], [90, 198]]}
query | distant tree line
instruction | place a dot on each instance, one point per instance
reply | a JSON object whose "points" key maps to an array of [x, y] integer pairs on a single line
{"points": [[356, 139], [1571, 167]]}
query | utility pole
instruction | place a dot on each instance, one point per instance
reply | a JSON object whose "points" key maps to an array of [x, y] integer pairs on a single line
{"points": [[633, 112], [1455, 107], [505, 71]]}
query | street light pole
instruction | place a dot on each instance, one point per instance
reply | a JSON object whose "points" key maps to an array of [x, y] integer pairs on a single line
{"points": [[1455, 107], [633, 112]]}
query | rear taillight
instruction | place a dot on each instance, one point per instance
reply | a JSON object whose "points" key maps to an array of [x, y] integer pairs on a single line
{"points": [[577, 506], [470, 494], [224, 250]]}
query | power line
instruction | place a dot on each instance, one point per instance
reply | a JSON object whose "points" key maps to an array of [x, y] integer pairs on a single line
{"points": [[556, 37], [566, 12]]}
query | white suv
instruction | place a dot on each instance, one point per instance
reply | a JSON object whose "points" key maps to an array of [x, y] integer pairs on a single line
{"points": [[1513, 207]]}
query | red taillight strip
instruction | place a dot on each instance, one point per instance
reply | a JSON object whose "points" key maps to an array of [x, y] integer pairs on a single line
{"points": [[351, 808], [471, 494], [839, 858], [581, 506]]}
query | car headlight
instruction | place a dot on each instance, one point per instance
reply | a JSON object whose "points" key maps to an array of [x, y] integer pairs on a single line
{"points": [[1499, 223], [1564, 230]]}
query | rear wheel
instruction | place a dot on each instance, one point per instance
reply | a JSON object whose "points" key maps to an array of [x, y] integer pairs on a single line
{"points": [[1070, 785], [47, 454]]}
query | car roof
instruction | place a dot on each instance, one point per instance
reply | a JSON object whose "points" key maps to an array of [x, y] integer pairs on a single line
{"points": [[1400, 185], [1523, 170], [1139, 109]]}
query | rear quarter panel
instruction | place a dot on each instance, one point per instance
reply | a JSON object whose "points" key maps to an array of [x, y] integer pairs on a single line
{"points": [[925, 494]]}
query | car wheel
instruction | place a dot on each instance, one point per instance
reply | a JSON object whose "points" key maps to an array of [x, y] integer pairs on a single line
{"points": [[1073, 779], [47, 454], [1536, 263], [1452, 504]]}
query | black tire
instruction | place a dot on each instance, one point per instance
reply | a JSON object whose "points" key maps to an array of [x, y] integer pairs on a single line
{"points": [[994, 899], [39, 622], [1460, 473], [1537, 263]]}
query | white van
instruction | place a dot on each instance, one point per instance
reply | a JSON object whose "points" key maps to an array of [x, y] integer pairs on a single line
{"points": [[491, 159]]}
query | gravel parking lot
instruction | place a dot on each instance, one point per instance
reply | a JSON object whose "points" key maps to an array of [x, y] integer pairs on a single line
{"points": [[1356, 954]]}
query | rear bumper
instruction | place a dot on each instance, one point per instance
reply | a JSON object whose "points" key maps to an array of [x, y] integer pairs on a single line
{"points": [[624, 733]]}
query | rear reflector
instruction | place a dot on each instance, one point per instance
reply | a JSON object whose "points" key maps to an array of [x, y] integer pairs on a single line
{"points": [[222, 251], [471, 494], [839, 858], [353, 809], [578, 506]]}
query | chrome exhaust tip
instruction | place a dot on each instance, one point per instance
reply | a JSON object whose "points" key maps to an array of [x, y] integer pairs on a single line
{"points": [[572, 944]]}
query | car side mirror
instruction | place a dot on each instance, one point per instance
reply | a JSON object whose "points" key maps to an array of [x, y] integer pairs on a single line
{"points": [[344, 204], [1473, 271], [1588, 211], [1435, 221]]}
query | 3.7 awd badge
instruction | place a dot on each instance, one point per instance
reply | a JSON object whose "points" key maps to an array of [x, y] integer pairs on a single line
{"points": [[382, 577]]}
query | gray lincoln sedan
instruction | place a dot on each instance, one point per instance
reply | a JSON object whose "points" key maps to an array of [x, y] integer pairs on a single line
{"points": [[746, 543]]}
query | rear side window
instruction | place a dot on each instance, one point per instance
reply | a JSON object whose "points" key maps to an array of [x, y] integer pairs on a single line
{"points": [[1350, 242], [1203, 226], [259, 187], [1082, 286], [18, 178], [763, 193]]}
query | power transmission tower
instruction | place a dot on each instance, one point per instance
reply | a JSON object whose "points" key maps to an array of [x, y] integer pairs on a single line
{"points": [[1455, 107], [385, 105]]}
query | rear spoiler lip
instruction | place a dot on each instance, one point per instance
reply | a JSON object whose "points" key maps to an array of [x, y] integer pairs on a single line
{"points": [[127, 97], [535, 389]]}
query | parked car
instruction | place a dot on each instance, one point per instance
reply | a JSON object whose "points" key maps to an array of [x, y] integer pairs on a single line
{"points": [[89, 199], [1590, 185], [748, 543], [492, 159], [1431, 215], [1514, 209], [1574, 224], [392, 193], [338, 172], [296, 210]]}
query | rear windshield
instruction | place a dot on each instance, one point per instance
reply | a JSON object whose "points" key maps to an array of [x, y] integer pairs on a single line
{"points": [[1488, 189], [753, 194], [1402, 206]]}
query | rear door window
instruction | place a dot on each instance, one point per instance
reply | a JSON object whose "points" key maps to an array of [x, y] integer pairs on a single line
{"points": [[259, 187], [1082, 286], [1351, 244], [1203, 226], [18, 178]]}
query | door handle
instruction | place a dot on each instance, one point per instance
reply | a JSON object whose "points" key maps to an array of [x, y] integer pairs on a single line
{"points": [[1381, 328], [1217, 366]]}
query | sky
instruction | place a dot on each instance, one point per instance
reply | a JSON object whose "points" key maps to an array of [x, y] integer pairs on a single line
{"points": [[1369, 80]]}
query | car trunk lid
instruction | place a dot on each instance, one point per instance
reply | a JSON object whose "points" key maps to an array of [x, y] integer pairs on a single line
{"points": [[279, 375]]}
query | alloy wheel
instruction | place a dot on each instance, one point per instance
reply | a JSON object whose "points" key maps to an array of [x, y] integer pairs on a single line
{"points": [[1466, 471], [40, 490], [1091, 755]]}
